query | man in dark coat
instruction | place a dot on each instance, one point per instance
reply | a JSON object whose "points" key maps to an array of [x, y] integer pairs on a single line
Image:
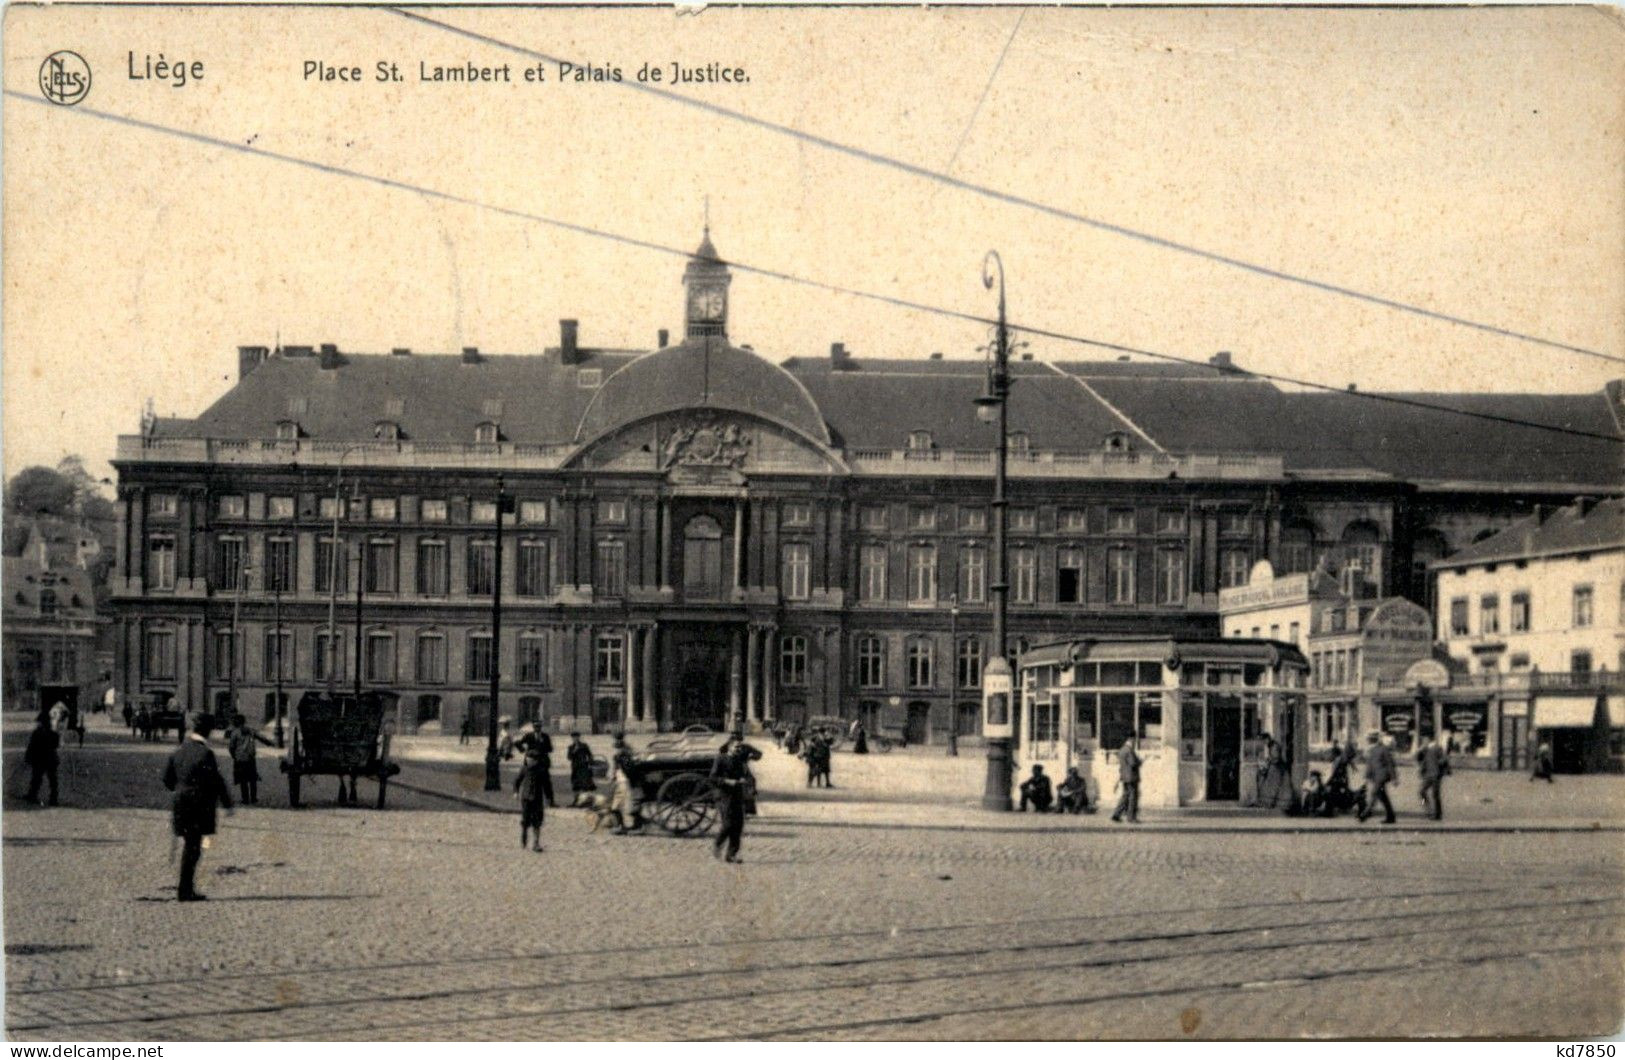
{"points": [[580, 756], [40, 757], [1433, 766], [1036, 790], [731, 772], [1128, 779], [527, 788], [535, 738], [194, 776], [1380, 772], [1073, 794]]}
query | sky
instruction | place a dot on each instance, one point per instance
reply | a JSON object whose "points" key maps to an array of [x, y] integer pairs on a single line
{"points": [[1466, 161]]}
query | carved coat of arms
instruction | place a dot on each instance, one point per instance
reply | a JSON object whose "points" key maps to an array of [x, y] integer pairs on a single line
{"points": [[704, 442]]}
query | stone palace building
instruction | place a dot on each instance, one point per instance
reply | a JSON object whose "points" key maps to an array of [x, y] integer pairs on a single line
{"points": [[701, 526]]}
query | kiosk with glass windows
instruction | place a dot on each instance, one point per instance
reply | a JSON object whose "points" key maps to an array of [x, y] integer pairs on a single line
{"points": [[1197, 710]]}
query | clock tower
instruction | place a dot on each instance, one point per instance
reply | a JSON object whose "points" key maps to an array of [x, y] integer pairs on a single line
{"points": [[705, 282]]}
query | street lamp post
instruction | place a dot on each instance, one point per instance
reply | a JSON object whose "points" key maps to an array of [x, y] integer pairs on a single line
{"points": [[953, 675], [994, 405], [243, 569], [493, 768], [276, 597], [333, 582]]}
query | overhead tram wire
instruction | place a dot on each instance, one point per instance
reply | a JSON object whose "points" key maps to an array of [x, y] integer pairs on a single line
{"points": [[769, 273], [1012, 199]]}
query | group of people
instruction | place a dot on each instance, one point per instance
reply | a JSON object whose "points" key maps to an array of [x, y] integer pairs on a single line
{"points": [[816, 751], [1073, 794], [1381, 771]]}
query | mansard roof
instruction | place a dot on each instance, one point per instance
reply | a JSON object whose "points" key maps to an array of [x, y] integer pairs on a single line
{"points": [[1588, 526]]}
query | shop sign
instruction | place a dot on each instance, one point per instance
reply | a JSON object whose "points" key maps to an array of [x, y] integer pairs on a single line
{"points": [[1427, 673], [1397, 724]]}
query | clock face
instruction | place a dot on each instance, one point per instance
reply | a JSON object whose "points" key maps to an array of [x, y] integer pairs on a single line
{"points": [[708, 304]]}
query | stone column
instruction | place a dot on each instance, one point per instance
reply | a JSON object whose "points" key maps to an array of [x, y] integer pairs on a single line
{"points": [[665, 543], [770, 639], [733, 676], [647, 711], [739, 541], [629, 702], [752, 710]]}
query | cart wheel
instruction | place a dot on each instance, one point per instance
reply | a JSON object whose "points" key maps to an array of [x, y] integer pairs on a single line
{"points": [[293, 790], [686, 803]]}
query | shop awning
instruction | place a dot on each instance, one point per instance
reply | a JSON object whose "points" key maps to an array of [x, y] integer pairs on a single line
{"points": [[1552, 712]]}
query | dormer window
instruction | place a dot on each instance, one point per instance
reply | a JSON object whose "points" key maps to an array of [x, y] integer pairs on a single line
{"points": [[1118, 442], [485, 434], [47, 603], [287, 430], [919, 441], [1020, 442], [387, 431], [589, 378]]}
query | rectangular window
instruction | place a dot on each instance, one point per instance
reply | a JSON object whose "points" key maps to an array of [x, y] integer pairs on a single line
{"points": [[432, 510], [1023, 575], [532, 580], [434, 577], [229, 565], [358, 509], [431, 661], [1489, 613], [161, 561], [329, 647], [874, 517], [326, 574], [1580, 662], [922, 517], [1120, 575], [972, 575], [1293, 633], [278, 658], [872, 572], [381, 565], [1075, 519], [383, 509], [482, 567], [1116, 719], [279, 507], [1582, 606], [328, 507], [968, 663], [973, 519], [871, 662], [1171, 575], [231, 506], [1025, 519], [610, 668], [1170, 521], [1233, 567], [160, 655], [1234, 523], [380, 658], [1069, 576], [793, 661], [920, 659], [533, 659], [613, 512], [1120, 521], [279, 565], [479, 657], [611, 579], [482, 511], [795, 574], [1521, 617], [797, 513], [533, 513], [162, 505], [922, 573], [224, 657]]}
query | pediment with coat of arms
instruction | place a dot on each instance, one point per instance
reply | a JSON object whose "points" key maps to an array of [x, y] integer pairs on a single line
{"points": [[705, 441]]}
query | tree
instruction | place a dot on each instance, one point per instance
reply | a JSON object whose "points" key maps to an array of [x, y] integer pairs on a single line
{"points": [[41, 491]]}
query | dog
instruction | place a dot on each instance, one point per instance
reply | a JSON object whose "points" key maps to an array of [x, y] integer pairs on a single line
{"points": [[597, 806]]}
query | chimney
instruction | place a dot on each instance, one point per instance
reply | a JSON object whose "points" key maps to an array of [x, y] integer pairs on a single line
{"points": [[664, 337], [569, 345], [1221, 361], [1583, 506], [838, 357], [401, 351], [1542, 513], [936, 356], [471, 355], [330, 355], [250, 358]]}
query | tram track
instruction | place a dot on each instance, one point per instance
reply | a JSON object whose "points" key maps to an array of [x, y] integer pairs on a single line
{"points": [[1442, 922]]}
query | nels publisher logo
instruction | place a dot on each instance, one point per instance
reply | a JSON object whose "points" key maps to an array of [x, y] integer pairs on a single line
{"points": [[64, 77]]}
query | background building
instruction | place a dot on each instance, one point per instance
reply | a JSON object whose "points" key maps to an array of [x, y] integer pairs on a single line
{"points": [[698, 528]]}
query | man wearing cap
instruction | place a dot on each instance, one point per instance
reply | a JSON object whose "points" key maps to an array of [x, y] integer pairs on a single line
{"points": [[1128, 779], [731, 772], [1379, 773], [193, 775]]}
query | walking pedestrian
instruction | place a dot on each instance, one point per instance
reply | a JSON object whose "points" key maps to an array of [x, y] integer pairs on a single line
{"points": [[1433, 766], [466, 733], [627, 802], [129, 718], [194, 777], [580, 756], [860, 738], [1379, 773], [242, 743], [40, 756], [532, 736], [532, 796], [1128, 780], [731, 773], [1543, 765]]}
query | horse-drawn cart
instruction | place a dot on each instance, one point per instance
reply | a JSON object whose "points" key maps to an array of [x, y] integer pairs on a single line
{"points": [[343, 736], [674, 775]]}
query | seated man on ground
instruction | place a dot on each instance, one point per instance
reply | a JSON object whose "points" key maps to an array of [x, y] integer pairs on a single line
{"points": [[1074, 793], [1036, 789]]}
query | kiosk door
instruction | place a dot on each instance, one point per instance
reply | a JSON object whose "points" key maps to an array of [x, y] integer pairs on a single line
{"points": [[1223, 747]]}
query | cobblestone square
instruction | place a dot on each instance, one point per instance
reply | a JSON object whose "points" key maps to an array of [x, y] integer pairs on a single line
{"points": [[857, 920]]}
